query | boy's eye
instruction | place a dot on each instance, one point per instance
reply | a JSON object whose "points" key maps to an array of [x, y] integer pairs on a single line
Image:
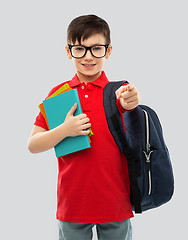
{"points": [[79, 49], [97, 48]]}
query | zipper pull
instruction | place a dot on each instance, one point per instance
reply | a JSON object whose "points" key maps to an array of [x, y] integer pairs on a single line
{"points": [[148, 169], [148, 161]]}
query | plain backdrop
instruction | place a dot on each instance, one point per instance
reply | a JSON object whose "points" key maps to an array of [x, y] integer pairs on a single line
{"points": [[149, 40]]}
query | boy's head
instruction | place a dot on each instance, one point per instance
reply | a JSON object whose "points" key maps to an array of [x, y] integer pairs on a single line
{"points": [[88, 44], [85, 26]]}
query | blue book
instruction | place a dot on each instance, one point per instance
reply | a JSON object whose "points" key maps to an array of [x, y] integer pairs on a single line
{"points": [[56, 109]]}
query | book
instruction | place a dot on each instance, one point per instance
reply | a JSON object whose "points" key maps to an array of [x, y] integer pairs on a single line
{"points": [[61, 90], [56, 109]]}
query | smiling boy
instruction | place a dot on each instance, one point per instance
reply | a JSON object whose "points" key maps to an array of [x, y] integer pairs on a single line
{"points": [[93, 184]]}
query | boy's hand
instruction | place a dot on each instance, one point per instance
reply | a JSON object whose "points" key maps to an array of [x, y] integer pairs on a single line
{"points": [[76, 125], [128, 96]]}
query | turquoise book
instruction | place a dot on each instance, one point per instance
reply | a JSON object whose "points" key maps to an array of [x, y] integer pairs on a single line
{"points": [[56, 109]]}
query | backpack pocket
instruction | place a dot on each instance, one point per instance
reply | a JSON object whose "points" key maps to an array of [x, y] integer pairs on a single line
{"points": [[162, 181]]}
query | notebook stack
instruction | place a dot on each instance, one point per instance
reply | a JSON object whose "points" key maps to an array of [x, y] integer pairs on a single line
{"points": [[54, 110]]}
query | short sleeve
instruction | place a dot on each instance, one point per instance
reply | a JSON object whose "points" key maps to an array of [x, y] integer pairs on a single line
{"points": [[40, 121]]}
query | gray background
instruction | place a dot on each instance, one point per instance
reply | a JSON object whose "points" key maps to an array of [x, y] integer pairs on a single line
{"points": [[149, 41]]}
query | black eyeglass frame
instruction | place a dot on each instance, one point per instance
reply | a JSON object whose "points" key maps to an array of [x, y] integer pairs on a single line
{"points": [[88, 48]]}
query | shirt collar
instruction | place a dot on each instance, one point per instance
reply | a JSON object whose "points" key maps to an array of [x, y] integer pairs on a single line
{"points": [[100, 82]]}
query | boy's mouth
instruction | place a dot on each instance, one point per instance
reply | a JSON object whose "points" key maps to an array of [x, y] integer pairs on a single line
{"points": [[88, 65]]}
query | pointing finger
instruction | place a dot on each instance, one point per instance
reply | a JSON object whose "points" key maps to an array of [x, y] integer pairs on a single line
{"points": [[120, 91], [130, 87]]}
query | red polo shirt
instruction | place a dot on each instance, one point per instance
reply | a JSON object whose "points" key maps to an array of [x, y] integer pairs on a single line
{"points": [[93, 184]]}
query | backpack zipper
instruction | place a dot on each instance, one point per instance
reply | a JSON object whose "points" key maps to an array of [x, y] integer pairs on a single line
{"points": [[148, 153]]}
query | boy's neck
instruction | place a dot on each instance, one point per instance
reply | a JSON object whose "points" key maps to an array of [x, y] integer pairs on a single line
{"points": [[83, 78]]}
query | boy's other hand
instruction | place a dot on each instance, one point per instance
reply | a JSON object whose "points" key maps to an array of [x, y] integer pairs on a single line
{"points": [[76, 125], [128, 96]]}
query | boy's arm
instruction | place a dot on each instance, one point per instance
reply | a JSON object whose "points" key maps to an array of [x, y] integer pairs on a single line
{"points": [[128, 97], [41, 140]]}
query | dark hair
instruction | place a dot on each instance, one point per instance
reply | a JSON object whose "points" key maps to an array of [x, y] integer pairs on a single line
{"points": [[86, 26]]}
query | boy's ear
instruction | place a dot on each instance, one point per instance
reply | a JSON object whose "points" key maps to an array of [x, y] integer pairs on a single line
{"points": [[109, 51], [68, 52]]}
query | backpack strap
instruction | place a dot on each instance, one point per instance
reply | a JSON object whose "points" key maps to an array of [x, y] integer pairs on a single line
{"points": [[117, 130]]}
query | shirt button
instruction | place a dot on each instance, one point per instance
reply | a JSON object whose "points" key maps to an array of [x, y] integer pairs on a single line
{"points": [[82, 87], [86, 96]]}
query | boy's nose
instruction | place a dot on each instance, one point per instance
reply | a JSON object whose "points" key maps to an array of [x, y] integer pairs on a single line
{"points": [[88, 55]]}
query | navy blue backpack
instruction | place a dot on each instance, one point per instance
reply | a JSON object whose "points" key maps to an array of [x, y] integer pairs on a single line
{"points": [[149, 165]]}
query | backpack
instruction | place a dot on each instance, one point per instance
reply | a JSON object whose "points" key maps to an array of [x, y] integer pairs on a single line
{"points": [[149, 165]]}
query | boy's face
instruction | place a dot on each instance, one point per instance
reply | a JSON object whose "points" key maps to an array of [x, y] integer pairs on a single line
{"points": [[89, 68]]}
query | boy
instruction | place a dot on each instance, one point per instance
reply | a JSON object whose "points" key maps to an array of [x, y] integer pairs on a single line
{"points": [[93, 184]]}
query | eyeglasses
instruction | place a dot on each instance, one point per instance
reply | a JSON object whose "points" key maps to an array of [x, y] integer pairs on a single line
{"points": [[97, 51]]}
